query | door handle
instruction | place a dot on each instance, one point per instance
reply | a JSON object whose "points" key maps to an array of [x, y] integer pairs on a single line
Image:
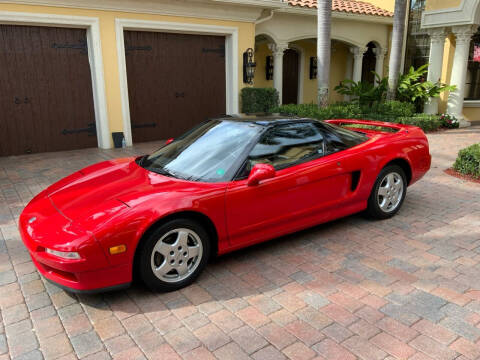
{"points": [[179, 94]]}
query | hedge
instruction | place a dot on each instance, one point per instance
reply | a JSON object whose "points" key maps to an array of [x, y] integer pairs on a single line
{"points": [[468, 161], [423, 121], [389, 111], [259, 100]]}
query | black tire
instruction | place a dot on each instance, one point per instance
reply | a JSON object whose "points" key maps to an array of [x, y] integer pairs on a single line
{"points": [[374, 210], [147, 260]]}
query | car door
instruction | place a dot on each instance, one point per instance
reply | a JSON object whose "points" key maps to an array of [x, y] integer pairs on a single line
{"points": [[306, 186]]}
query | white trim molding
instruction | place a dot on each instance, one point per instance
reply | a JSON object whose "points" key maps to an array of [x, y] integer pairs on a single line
{"points": [[466, 13], [231, 59], [471, 103], [91, 24], [233, 10], [204, 9]]}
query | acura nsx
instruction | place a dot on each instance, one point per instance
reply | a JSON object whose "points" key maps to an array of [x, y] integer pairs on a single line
{"points": [[226, 184]]}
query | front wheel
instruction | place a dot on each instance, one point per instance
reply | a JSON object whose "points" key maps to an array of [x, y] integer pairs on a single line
{"points": [[388, 193], [173, 255]]}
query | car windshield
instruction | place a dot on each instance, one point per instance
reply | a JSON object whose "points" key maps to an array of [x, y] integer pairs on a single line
{"points": [[211, 152]]}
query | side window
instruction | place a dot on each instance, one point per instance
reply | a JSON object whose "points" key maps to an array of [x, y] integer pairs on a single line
{"points": [[287, 145], [333, 143], [338, 139]]}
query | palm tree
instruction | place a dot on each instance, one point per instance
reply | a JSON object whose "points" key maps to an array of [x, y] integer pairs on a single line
{"points": [[324, 22], [397, 46]]}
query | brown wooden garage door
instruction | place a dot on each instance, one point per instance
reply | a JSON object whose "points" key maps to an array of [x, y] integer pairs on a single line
{"points": [[46, 101], [175, 81]]}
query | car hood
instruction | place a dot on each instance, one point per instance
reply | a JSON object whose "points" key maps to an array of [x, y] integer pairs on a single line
{"points": [[103, 190], [101, 187]]}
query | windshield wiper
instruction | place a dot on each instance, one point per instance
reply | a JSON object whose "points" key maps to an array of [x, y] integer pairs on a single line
{"points": [[161, 171], [141, 160]]}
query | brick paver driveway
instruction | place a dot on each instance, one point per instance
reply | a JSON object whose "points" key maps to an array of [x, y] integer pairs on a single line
{"points": [[406, 288]]}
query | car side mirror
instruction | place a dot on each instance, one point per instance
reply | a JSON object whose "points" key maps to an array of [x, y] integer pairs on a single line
{"points": [[259, 173]]}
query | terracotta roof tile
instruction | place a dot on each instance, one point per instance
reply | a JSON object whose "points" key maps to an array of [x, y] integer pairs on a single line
{"points": [[349, 6]]}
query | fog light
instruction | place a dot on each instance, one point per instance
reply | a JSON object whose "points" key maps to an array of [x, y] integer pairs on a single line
{"points": [[117, 249], [63, 254]]}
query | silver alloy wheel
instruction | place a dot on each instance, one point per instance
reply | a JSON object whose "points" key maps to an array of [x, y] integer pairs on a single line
{"points": [[390, 192], [176, 255]]}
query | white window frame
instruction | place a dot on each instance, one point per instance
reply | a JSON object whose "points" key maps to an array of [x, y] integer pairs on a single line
{"points": [[231, 58], [91, 24]]}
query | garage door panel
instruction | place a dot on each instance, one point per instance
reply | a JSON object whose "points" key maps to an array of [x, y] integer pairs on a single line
{"points": [[175, 81], [48, 71]]}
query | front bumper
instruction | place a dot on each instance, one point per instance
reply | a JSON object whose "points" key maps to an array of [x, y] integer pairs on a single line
{"points": [[93, 282], [101, 280], [50, 229]]}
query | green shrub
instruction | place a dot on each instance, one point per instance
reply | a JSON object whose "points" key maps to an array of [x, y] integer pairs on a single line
{"points": [[424, 121], [259, 100], [468, 161], [389, 111], [412, 87], [302, 110], [393, 108], [344, 110], [384, 111], [364, 93], [449, 121]]}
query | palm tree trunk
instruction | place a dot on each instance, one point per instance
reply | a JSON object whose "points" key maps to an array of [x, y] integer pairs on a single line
{"points": [[323, 50], [397, 46]]}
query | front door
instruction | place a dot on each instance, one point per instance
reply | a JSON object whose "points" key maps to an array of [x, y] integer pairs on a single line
{"points": [[306, 186], [290, 77]]}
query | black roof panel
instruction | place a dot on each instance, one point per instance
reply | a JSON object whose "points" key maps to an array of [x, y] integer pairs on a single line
{"points": [[264, 120]]}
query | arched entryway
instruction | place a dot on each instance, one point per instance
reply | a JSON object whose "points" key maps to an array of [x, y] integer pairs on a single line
{"points": [[369, 64], [290, 77]]}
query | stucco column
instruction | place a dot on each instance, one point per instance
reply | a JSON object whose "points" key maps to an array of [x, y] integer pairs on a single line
{"points": [[463, 36], [380, 54], [277, 50], [437, 43], [348, 72], [357, 62]]}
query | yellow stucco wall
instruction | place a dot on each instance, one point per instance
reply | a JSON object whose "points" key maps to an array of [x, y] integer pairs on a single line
{"points": [[246, 39], [261, 53], [471, 113], [449, 51], [309, 85], [441, 4], [337, 69], [384, 4]]}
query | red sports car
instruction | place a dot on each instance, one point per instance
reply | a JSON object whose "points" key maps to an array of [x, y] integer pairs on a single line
{"points": [[224, 185]]}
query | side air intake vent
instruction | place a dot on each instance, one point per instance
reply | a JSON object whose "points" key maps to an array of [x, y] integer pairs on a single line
{"points": [[355, 179]]}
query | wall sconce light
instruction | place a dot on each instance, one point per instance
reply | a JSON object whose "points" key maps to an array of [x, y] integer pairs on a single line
{"points": [[269, 68], [313, 67], [248, 66]]}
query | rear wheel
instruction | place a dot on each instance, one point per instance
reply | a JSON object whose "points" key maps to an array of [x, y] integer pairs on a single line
{"points": [[388, 193], [173, 255]]}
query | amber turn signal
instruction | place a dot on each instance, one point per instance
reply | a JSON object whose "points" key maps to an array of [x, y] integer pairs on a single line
{"points": [[117, 249]]}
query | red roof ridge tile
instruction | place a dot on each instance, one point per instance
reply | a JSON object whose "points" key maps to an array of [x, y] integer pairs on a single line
{"points": [[349, 6]]}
